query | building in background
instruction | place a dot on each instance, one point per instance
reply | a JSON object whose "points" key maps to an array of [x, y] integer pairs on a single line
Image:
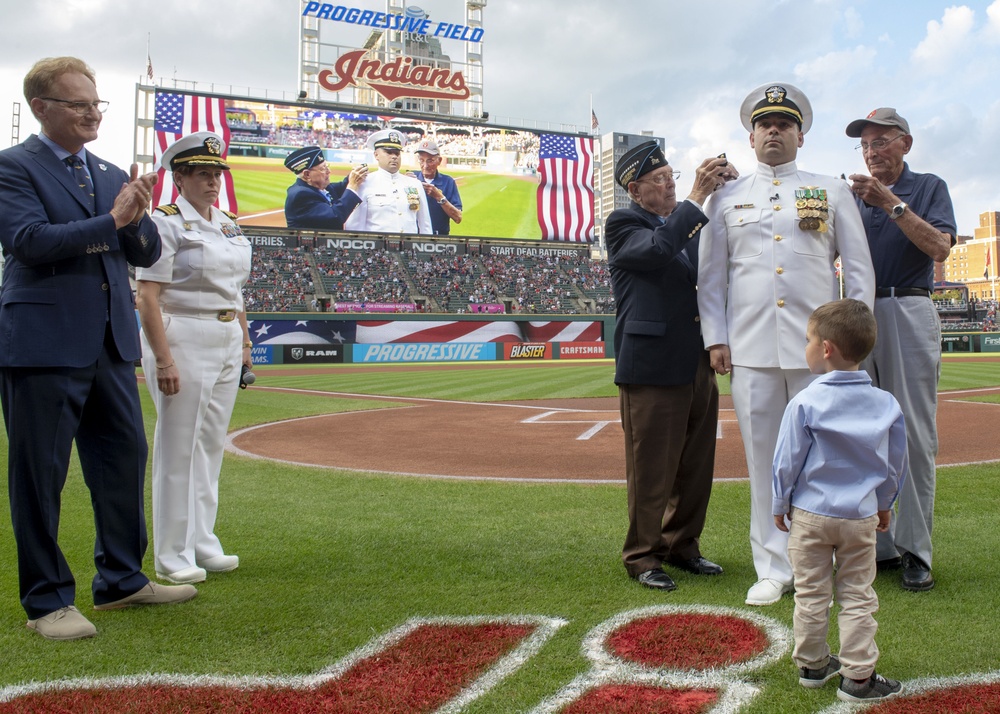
{"points": [[973, 261]]}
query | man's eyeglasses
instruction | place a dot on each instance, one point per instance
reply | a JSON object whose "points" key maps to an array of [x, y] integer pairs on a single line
{"points": [[81, 108], [661, 179], [876, 145]]}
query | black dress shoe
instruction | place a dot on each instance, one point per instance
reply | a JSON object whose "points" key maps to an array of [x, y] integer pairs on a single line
{"points": [[882, 566], [697, 565], [916, 576], [656, 579]]}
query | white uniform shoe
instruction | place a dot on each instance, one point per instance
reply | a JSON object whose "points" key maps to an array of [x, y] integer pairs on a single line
{"points": [[767, 592], [220, 563], [184, 576]]}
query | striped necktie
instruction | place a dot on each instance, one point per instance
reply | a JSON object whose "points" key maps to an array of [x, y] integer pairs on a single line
{"points": [[83, 179]]}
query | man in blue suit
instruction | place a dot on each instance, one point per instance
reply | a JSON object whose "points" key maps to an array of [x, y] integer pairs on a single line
{"points": [[68, 340], [312, 202], [668, 396]]}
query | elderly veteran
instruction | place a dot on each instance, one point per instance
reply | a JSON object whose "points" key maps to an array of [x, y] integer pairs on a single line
{"points": [[910, 223], [767, 261], [391, 202], [667, 391], [444, 202], [312, 202], [194, 344]]}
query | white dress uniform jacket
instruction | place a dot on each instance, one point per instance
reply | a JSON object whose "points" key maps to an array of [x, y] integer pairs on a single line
{"points": [[776, 272], [385, 205]]}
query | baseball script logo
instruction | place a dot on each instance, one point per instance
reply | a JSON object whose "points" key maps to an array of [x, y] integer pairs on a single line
{"points": [[399, 78]]}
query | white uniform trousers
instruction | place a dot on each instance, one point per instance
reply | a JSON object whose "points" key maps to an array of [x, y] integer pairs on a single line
{"points": [[190, 436], [906, 362], [759, 398]]}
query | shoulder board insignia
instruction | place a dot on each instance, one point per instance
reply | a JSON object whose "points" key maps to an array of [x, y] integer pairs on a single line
{"points": [[169, 209], [232, 216]]}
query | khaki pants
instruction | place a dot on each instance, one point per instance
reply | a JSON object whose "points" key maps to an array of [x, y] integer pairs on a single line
{"points": [[814, 541]]}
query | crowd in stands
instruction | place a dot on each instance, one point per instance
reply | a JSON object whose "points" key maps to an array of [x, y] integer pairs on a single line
{"points": [[283, 280]]}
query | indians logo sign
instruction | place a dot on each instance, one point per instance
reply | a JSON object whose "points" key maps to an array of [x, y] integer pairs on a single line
{"points": [[395, 79]]}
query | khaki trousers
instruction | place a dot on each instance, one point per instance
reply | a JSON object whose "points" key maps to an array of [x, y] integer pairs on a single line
{"points": [[813, 543]]}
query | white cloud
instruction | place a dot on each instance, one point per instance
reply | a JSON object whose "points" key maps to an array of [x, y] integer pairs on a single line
{"points": [[945, 40]]}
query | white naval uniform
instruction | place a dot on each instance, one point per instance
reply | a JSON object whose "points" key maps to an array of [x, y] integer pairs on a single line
{"points": [[385, 206], [203, 267], [760, 277]]}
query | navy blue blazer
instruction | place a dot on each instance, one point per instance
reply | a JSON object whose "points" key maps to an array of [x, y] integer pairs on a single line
{"points": [[657, 331], [65, 275], [307, 208]]}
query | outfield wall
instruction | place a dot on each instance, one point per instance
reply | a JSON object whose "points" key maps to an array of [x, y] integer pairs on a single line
{"points": [[326, 338]]}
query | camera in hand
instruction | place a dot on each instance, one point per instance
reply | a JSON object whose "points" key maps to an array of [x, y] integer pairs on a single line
{"points": [[246, 377]]}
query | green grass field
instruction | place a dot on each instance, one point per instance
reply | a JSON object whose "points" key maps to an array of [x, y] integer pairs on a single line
{"points": [[492, 205], [331, 559]]}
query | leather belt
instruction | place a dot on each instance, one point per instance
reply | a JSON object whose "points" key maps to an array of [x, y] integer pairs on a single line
{"points": [[902, 292], [220, 315]]}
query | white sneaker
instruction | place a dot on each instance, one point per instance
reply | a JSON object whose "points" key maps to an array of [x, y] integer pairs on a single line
{"points": [[220, 563], [184, 576], [767, 591]]}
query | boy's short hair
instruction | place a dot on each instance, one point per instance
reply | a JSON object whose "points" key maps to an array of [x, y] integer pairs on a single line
{"points": [[848, 324]]}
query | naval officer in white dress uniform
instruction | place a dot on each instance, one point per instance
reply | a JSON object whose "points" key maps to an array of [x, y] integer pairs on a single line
{"points": [[391, 202], [766, 261], [194, 344]]}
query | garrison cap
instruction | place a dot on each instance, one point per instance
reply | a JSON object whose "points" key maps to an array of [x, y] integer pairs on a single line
{"points": [[774, 98], [203, 148], [639, 161], [387, 139], [883, 116], [307, 157]]}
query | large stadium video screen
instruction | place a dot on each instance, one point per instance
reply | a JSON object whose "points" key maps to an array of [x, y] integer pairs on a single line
{"points": [[513, 183]]}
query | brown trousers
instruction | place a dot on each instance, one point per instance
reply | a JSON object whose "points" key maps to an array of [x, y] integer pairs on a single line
{"points": [[670, 436]]}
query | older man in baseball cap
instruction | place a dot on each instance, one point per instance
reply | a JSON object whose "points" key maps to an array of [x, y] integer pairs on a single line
{"points": [[767, 261], [442, 192], [910, 224], [391, 201]]}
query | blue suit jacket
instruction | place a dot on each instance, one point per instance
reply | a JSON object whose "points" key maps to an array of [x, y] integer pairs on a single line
{"points": [[65, 275], [306, 207], [658, 331]]}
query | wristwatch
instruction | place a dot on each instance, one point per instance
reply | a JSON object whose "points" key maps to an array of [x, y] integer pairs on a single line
{"points": [[442, 201], [897, 211]]}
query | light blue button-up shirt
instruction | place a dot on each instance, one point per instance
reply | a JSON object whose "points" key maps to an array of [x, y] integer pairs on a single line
{"points": [[841, 449]]}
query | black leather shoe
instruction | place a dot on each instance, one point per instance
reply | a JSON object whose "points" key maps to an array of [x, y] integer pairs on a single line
{"points": [[883, 566], [916, 576], [698, 566], [656, 579]]}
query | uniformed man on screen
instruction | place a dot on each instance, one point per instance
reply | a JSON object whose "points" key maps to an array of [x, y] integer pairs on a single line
{"points": [[391, 202], [312, 201]]}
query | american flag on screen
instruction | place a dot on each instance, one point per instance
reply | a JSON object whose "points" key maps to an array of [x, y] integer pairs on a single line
{"points": [[566, 188], [177, 115]]}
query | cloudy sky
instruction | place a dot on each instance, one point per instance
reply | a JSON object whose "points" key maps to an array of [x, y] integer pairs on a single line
{"points": [[679, 69]]}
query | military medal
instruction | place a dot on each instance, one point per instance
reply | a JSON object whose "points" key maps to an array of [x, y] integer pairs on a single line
{"points": [[413, 198], [813, 208]]}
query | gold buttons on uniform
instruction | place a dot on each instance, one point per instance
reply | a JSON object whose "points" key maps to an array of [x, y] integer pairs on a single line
{"points": [[777, 208], [781, 303], [779, 270], [777, 237], [776, 182]]}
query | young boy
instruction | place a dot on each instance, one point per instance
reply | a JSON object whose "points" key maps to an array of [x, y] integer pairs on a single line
{"points": [[838, 465]]}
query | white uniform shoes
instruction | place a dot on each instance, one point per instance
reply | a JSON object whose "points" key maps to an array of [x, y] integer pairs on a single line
{"points": [[767, 592], [220, 563], [184, 576]]}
